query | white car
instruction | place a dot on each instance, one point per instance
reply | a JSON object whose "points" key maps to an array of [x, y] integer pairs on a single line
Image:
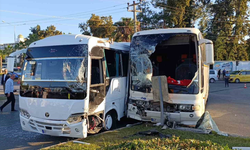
{"points": [[213, 76]]}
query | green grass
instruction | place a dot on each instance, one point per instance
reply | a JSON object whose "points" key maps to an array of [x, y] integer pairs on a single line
{"points": [[2, 98], [124, 138]]}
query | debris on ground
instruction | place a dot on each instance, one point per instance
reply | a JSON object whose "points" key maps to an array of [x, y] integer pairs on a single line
{"points": [[80, 142], [207, 123], [152, 132], [205, 126]]}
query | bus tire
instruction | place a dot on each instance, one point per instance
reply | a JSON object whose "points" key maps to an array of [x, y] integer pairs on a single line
{"points": [[110, 120]]}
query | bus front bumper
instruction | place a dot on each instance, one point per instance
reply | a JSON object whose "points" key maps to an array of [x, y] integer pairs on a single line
{"points": [[186, 118], [54, 128]]}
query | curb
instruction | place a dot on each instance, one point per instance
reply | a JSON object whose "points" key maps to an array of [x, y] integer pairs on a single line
{"points": [[130, 125]]}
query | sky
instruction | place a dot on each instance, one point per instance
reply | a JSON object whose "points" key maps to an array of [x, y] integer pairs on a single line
{"points": [[65, 15]]}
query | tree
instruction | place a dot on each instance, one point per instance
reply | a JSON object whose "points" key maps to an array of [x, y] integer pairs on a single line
{"points": [[229, 21], [37, 34], [148, 18], [181, 13], [7, 50], [50, 31], [124, 30], [84, 28], [101, 27]]}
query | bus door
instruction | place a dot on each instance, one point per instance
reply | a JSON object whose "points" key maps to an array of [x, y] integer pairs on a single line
{"points": [[98, 83]]}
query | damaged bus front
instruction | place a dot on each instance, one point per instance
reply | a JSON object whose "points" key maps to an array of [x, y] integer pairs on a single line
{"points": [[181, 57]]}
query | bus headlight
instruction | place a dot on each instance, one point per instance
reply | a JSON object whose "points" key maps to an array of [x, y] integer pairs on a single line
{"points": [[24, 113], [75, 118], [185, 107]]}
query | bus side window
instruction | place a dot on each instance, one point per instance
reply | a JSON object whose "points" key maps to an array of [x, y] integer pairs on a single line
{"points": [[96, 71], [113, 60], [125, 57]]}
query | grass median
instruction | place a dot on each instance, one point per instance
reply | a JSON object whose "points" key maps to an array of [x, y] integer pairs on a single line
{"points": [[127, 139]]}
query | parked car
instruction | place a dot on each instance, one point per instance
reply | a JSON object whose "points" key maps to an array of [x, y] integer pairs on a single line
{"points": [[16, 75], [240, 76], [18, 70], [213, 76]]}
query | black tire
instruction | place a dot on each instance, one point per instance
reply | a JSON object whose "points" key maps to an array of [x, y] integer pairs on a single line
{"points": [[212, 80], [237, 80], [110, 121]]}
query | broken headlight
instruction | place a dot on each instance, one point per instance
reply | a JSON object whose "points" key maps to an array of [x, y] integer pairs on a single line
{"points": [[75, 118], [24, 113], [185, 107]]}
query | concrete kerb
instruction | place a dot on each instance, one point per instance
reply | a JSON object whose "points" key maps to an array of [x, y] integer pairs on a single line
{"points": [[130, 125]]}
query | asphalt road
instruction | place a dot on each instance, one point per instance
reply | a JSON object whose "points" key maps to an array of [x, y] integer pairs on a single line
{"points": [[229, 107]]}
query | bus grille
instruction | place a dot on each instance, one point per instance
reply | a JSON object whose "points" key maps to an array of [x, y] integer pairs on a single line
{"points": [[49, 126]]}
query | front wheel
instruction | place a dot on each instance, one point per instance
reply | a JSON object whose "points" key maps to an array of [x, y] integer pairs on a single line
{"points": [[110, 121], [237, 80], [212, 80]]}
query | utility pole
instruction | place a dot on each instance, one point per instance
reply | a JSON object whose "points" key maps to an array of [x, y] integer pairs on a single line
{"points": [[134, 11]]}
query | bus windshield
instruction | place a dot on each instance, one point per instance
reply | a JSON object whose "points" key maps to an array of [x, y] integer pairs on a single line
{"points": [[55, 72], [60, 78], [60, 69], [171, 55]]}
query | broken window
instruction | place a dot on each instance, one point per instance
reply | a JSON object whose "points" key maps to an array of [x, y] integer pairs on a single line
{"points": [[171, 55]]}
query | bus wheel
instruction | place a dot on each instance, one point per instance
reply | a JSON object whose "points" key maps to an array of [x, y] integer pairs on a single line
{"points": [[237, 80], [110, 121]]}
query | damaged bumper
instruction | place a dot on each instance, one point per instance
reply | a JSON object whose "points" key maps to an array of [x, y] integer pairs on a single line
{"points": [[186, 118]]}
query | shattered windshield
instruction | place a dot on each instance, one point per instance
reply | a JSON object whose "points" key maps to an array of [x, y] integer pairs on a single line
{"points": [[58, 72], [170, 55]]}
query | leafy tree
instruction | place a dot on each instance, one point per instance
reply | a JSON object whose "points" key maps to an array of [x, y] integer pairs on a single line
{"points": [[37, 34], [181, 13], [229, 20], [7, 50], [148, 18], [124, 30], [99, 26], [50, 31], [84, 28]]}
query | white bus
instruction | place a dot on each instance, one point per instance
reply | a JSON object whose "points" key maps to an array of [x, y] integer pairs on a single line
{"points": [[72, 85], [182, 57]]}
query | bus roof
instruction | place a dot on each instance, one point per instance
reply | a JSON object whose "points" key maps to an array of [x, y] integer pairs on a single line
{"points": [[76, 39], [169, 30]]}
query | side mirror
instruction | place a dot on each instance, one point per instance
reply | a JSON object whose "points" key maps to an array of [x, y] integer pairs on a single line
{"points": [[209, 48]]}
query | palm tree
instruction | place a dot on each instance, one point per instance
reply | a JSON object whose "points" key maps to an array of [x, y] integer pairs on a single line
{"points": [[124, 30]]}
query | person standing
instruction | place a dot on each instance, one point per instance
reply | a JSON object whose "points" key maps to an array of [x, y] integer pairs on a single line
{"points": [[4, 78], [224, 73], [9, 92], [227, 75], [219, 74]]}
